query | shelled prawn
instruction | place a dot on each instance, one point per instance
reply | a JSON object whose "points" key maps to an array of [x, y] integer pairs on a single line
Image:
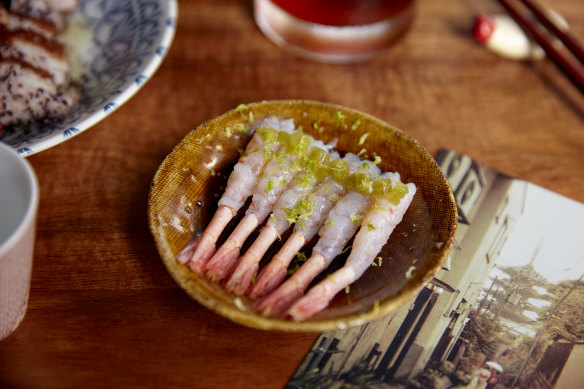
{"points": [[378, 223], [275, 272], [342, 223], [275, 176], [282, 217], [239, 187]]}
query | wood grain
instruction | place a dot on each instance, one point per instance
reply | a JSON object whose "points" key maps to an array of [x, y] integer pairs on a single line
{"points": [[103, 311]]}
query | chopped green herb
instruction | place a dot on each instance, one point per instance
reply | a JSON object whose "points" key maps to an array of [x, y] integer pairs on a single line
{"points": [[203, 138], [362, 138], [410, 272], [239, 304], [241, 107], [242, 128], [331, 223], [356, 218], [271, 185], [227, 131], [339, 117], [370, 227], [300, 214], [377, 160], [316, 123], [355, 124]]}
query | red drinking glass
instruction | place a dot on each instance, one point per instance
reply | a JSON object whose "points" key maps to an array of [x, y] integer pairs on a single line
{"points": [[334, 30]]}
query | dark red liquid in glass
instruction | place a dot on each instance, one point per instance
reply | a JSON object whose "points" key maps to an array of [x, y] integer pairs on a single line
{"points": [[343, 12]]}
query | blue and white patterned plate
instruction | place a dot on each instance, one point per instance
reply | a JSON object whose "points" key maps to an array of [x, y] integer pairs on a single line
{"points": [[130, 40]]}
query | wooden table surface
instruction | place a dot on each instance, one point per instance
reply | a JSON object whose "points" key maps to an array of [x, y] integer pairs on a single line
{"points": [[104, 312]]}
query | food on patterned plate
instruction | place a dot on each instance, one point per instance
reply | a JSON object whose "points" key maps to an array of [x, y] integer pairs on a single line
{"points": [[35, 76]]}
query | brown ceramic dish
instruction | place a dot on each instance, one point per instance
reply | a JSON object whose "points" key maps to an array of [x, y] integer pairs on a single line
{"points": [[186, 188]]}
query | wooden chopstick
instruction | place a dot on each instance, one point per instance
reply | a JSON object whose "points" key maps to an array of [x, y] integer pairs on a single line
{"points": [[566, 64], [564, 36]]}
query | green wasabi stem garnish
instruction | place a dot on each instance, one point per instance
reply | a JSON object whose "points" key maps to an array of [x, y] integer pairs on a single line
{"points": [[281, 157], [362, 138], [363, 183], [295, 166], [283, 137], [266, 153], [397, 193], [317, 162], [298, 143], [268, 135], [364, 166], [271, 185], [307, 180], [340, 118], [376, 307], [203, 138], [242, 128], [383, 188], [340, 171], [301, 213], [355, 125], [356, 218]]}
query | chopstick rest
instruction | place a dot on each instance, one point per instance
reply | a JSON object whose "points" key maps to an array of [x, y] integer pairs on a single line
{"points": [[503, 36]]}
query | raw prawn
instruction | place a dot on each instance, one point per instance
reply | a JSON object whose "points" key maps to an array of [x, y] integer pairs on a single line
{"points": [[275, 176], [326, 196], [279, 220], [377, 225], [341, 224], [239, 187]]}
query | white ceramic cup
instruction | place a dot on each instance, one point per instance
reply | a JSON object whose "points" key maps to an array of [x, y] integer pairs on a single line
{"points": [[19, 198]]}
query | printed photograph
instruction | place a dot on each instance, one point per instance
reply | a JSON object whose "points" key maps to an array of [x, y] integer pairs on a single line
{"points": [[505, 311]]}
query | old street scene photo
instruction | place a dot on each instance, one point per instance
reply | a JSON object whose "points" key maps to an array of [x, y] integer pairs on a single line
{"points": [[505, 311]]}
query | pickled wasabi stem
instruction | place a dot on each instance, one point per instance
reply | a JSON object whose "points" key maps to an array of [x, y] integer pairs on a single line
{"points": [[288, 209], [274, 178], [239, 187]]}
